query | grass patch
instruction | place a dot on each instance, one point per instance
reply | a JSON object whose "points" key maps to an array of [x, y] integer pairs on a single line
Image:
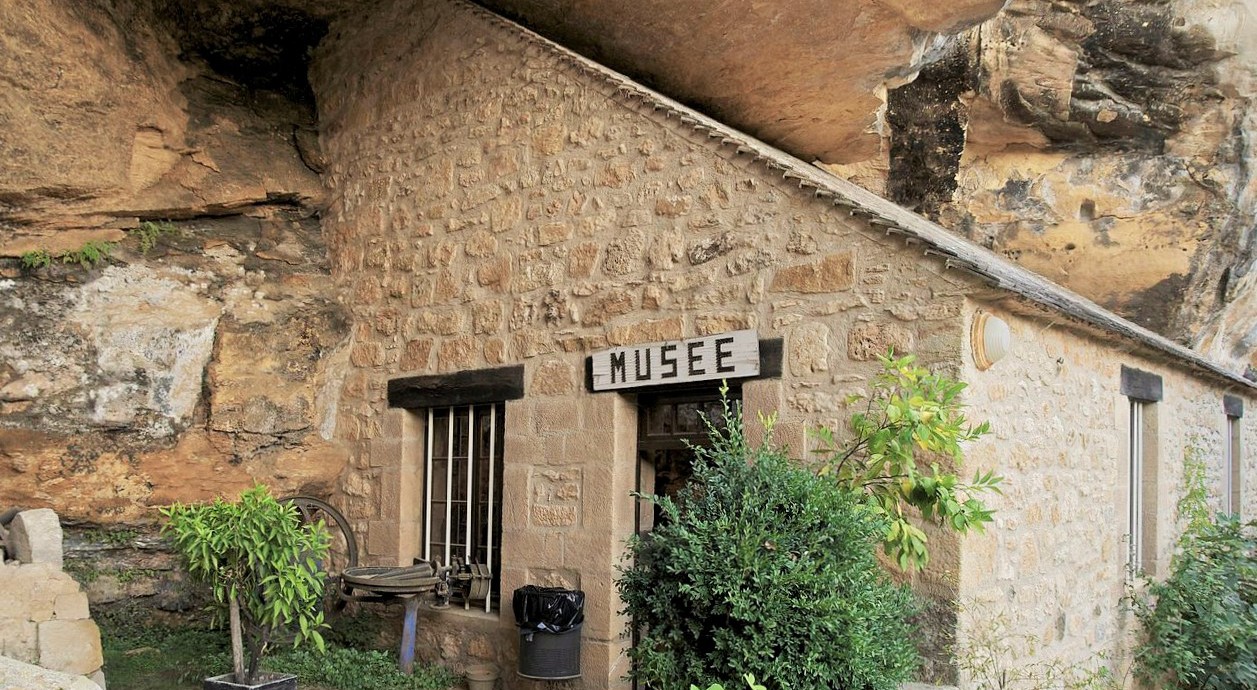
{"points": [[343, 668], [141, 656]]}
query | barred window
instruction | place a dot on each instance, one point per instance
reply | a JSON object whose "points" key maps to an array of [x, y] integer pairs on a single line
{"points": [[462, 510]]}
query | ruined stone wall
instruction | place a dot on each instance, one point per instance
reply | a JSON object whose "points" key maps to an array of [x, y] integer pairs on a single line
{"points": [[45, 618], [1045, 583], [493, 206]]}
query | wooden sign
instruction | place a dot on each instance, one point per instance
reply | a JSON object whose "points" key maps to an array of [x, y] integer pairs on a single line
{"points": [[713, 357]]}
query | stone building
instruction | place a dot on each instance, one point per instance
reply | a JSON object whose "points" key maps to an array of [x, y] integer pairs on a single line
{"points": [[509, 218]]}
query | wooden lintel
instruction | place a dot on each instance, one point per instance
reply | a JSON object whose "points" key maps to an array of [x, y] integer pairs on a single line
{"points": [[459, 388]]}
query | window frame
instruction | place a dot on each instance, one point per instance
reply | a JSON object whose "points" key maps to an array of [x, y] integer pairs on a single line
{"points": [[1143, 390], [487, 536], [1233, 472]]}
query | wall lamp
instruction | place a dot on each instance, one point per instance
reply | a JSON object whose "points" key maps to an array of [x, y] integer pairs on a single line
{"points": [[991, 339]]}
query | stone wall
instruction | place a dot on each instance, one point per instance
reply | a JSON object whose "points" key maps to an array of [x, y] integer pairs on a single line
{"points": [[495, 206], [1051, 572], [45, 619]]}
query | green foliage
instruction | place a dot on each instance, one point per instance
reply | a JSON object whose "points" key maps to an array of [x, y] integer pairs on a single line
{"points": [[256, 555], [149, 233], [750, 684], [88, 255], [142, 656], [910, 411], [1200, 624], [36, 259], [761, 565], [117, 537], [355, 669]]}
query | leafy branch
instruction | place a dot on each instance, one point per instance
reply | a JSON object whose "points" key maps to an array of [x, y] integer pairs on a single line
{"points": [[909, 411]]}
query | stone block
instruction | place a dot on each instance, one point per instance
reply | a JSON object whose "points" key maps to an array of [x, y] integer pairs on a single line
{"points": [[868, 340], [457, 354], [71, 607], [18, 641], [647, 332], [18, 675], [415, 357], [70, 646], [560, 414], [554, 516], [581, 260], [831, 274], [553, 377], [35, 537], [809, 349]]}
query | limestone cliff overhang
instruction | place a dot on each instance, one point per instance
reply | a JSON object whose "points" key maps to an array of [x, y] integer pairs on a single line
{"points": [[1006, 282]]}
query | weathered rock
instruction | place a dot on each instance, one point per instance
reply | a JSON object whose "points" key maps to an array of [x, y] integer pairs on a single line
{"points": [[16, 675], [1105, 146], [35, 537], [70, 646]]}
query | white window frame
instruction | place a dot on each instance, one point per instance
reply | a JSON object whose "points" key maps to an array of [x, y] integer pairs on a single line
{"points": [[1135, 488], [471, 543], [1232, 476]]}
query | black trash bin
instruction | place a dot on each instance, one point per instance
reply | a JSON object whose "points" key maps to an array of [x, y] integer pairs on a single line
{"points": [[549, 621]]}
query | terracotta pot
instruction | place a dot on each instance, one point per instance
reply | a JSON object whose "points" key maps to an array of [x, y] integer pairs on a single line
{"points": [[482, 677]]}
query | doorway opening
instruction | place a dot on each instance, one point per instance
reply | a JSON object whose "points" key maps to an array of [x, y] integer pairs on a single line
{"points": [[670, 424]]}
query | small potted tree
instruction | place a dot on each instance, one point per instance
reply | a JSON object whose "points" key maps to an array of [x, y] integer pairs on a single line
{"points": [[262, 564]]}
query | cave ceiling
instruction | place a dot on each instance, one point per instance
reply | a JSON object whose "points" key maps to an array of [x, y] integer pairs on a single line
{"points": [[804, 75]]}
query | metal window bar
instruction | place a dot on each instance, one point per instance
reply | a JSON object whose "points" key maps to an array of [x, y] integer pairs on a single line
{"points": [[488, 552], [449, 483], [465, 438], [468, 556], [427, 491], [1135, 516]]}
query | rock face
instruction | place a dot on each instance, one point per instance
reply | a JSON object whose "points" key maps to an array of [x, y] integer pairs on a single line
{"points": [[1106, 145], [179, 140]]}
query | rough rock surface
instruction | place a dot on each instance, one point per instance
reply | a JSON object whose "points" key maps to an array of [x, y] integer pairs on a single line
{"points": [[16, 675], [1106, 145], [196, 357]]}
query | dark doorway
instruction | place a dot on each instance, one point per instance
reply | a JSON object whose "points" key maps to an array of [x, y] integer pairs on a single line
{"points": [[669, 425]]}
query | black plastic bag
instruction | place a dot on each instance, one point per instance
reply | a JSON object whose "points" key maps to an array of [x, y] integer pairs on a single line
{"points": [[549, 609]]}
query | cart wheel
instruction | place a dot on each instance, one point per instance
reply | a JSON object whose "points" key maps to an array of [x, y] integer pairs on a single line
{"points": [[343, 550]]}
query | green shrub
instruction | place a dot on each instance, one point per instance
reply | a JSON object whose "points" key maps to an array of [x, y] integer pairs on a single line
{"points": [[36, 259], [149, 233], [762, 567], [1200, 624]]}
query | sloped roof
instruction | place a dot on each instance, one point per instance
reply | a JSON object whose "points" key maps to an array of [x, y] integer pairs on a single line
{"points": [[956, 252]]}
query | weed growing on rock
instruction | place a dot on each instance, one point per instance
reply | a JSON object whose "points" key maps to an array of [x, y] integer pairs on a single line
{"points": [[36, 259], [149, 233]]}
